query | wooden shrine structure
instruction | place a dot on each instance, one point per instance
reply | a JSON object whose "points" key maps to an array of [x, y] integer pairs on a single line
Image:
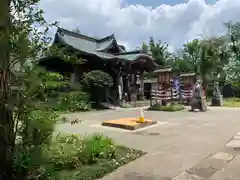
{"points": [[103, 54], [163, 92], [187, 83]]}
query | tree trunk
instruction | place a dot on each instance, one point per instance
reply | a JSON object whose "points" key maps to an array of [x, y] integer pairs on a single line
{"points": [[6, 120]]}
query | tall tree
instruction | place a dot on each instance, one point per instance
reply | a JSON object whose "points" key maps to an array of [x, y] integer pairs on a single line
{"points": [[191, 52], [159, 51], [233, 67], [207, 57], [181, 65], [144, 48], [20, 42], [6, 120]]}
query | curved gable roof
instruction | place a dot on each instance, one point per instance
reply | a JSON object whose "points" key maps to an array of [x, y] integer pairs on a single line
{"points": [[97, 46], [85, 43]]}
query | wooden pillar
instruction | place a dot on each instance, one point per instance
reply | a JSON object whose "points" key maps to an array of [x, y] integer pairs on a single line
{"points": [[75, 74], [126, 87], [133, 89], [120, 88], [141, 90], [73, 77]]}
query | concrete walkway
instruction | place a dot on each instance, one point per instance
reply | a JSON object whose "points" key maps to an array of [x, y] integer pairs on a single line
{"points": [[183, 145]]}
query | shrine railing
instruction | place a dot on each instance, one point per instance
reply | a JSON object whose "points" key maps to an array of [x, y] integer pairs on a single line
{"points": [[165, 94], [186, 93]]}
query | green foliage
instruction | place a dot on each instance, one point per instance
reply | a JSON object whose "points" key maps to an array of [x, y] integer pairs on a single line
{"points": [[103, 166], [74, 157], [73, 101], [64, 54], [38, 127], [232, 68], [64, 152], [207, 57], [70, 152], [35, 132], [191, 53], [171, 108], [181, 65], [97, 146], [44, 84], [144, 48], [97, 84], [47, 88], [159, 51]]}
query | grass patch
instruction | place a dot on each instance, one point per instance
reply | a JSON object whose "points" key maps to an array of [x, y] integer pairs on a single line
{"points": [[231, 102], [170, 108], [102, 167], [74, 157]]}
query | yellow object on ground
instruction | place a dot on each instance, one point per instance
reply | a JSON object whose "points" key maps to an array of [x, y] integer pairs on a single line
{"points": [[128, 123], [141, 118]]}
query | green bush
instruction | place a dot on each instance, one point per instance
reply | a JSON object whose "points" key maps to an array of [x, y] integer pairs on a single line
{"points": [[74, 157], [73, 101], [103, 166], [97, 146], [70, 152], [38, 127], [97, 83], [44, 84], [171, 108], [64, 152], [35, 132]]}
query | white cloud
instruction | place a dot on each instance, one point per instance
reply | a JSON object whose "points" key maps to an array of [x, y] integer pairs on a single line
{"points": [[133, 24]]}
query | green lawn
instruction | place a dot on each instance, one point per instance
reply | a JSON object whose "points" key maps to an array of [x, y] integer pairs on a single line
{"points": [[231, 102], [170, 108]]}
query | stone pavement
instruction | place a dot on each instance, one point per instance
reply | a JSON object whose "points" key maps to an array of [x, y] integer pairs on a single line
{"points": [[183, 145]]}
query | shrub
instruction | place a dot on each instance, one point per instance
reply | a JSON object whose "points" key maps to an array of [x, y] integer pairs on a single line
{"points": [[172, 108], [97, 83], [74, 157], [46, 84], [35, 132], [97, 146], [64, 151], [73, 101], [38, 127], [71, 151], [103, 166]]}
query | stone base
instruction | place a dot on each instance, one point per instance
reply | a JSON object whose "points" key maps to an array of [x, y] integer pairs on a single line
{"points": [[200, 104], [128, 123], [217, 101], [204, 101]]}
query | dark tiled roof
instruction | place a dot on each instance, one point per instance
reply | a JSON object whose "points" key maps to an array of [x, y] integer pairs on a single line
{"points": [[187, 74], [97, 46], [163, 70]]}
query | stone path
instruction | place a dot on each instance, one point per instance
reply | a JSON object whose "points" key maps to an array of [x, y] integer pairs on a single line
{"points": [[183, 145]]}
